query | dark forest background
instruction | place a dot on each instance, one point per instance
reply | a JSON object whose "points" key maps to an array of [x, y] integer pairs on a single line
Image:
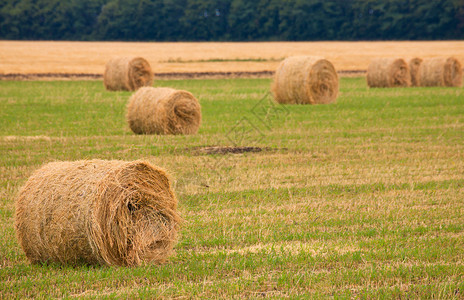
{"points": [[231, 20]]}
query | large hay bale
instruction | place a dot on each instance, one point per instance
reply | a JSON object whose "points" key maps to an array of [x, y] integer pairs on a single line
{"points": [[441, 72], [127, 74], [305, 80], [97, 212], [388, 72], [414, 66], [163, 111]]}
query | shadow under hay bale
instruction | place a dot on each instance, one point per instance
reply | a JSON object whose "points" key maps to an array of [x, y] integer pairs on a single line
{"points": [[127, 74], [97, 212], [305, 80], [441, 72], [163, 111], [414, 67], [388, 72]]}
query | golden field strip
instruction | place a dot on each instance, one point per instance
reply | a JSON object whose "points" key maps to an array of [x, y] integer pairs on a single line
{"points": [[43, 57]]}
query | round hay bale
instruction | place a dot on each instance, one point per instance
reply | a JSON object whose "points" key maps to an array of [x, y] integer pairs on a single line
{"points": [[441, 72], [414, 66], [97, 212], [163, 111], [127, 74], [388, 72], [305, 80]]}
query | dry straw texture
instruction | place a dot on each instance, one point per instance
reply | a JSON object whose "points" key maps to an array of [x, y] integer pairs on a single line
{"points": [[305, 80], [414, 66], [441, 72], [97, 212], [127, 74], [163, 111], [388, 72]]}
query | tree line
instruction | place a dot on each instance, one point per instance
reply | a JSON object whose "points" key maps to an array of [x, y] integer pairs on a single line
{"points": [[231, 20]]}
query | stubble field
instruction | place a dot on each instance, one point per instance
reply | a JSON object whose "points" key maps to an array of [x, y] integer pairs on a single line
{"points": [[360, 198], [48, 57]]}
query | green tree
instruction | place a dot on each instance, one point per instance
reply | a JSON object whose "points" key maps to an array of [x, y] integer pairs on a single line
{"points": [[205, 20], [243, 20], [166, 20]]}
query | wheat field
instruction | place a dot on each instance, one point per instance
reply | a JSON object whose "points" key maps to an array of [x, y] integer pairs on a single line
{"points": [[29, 57]]}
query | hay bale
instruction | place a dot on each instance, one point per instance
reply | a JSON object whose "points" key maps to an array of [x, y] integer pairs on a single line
{"points": [[97, 212], [127, 74], [414, 66], [388, 72], [441, 72], [163, 111], [305, 80]]}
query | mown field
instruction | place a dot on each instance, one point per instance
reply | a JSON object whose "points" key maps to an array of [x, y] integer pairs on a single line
{"points": [[58, 57], [361, 198]]}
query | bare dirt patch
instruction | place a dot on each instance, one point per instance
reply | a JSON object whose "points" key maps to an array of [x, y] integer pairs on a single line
{"points": [[228, 149], [168, 75], [50, 76]]}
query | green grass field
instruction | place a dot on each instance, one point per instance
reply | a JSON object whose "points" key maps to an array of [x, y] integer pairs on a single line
{"points": [[361, 198]]}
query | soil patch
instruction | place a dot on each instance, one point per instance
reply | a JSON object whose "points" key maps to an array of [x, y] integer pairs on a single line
{"points": [[211, 150], [173, 75]]}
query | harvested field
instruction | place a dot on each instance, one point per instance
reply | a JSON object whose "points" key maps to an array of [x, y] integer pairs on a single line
{"points": [[361, 198], [203, 59]]}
